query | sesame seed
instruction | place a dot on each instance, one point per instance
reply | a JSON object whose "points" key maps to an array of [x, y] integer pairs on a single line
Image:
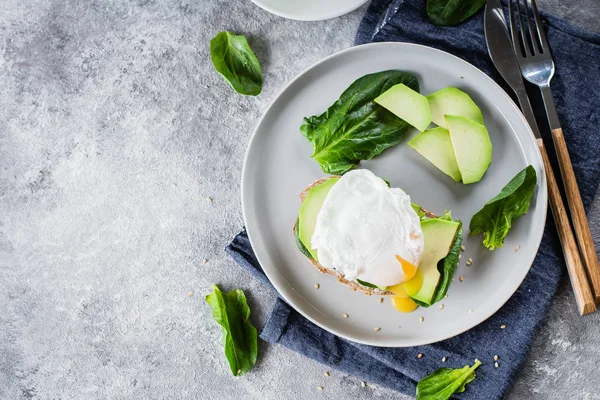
{"points": [[459, 256], [377, 329], [353, 289], [462, 248], [420, 355], [421, 319], [446, 296], [441, 306], [326, 373], [470, 260], [190, 293], [460, 278], [368, 293], [496, 358], [319, 387], [496, 365], [363, 384], [345, 315], [502, 326], [317, 286], [468, 263], [453, 279], [381, 300], [443, 359], [517, 248], [204, 261]]}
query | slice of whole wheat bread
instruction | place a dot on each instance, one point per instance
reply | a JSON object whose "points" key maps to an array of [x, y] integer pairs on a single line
{"points": [[341, 278]]}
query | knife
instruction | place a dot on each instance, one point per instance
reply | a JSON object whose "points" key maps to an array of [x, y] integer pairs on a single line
{"points": [[502, 54]]}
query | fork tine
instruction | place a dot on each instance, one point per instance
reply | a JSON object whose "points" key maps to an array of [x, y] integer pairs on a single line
{"points": [[526, 44], [514, 32], [533, 38], [539, 27]]}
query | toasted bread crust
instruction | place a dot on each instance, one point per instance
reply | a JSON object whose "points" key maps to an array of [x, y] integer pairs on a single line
{"points": [[354, 286]]}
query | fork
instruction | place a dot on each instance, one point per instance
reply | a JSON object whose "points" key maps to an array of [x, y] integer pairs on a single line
{"points": [[537, 66]]}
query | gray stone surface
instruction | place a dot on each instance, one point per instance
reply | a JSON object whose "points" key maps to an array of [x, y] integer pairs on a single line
{"points": [[114, 133]]}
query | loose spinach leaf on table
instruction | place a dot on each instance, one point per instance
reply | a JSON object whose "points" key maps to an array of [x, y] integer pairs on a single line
{"points": [[495, 219], [231, 311], [452, 12], [233, 58], [354, 128], [444, 382]]}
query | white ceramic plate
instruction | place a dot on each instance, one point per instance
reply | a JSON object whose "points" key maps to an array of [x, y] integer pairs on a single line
{"points": [[278, 167], [309, 10]]}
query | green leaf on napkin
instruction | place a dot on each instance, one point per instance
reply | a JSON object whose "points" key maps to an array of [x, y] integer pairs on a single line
{"points": [[354, 128], [495, 219], [452, 12], [231, 311], [444, 382], [233, 58]]}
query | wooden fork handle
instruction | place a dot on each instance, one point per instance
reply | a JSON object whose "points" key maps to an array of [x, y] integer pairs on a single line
{"points": [[581, 288], [580, 222]]}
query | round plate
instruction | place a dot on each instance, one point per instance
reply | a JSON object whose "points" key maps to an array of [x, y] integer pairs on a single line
{"points": [[278, 167], [309, 10]]}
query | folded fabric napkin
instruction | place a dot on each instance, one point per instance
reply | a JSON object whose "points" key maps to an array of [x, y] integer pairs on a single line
{"points": [[577, 57]]}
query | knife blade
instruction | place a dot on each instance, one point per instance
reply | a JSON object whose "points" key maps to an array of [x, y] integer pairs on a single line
{"points": [[501, 52]]}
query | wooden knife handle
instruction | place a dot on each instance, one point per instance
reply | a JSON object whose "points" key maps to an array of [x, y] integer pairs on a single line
{"points": [[580, 222], [581, 288]]}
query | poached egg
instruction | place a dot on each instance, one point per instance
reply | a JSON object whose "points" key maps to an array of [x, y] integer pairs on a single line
{"points": [[368, 231]]}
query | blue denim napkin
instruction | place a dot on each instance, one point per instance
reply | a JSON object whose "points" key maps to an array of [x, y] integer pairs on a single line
{"points": [[577, 57]]}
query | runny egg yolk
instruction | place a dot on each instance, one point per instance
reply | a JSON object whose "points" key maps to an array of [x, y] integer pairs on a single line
{"points": [[403, 291], [409, 269]]}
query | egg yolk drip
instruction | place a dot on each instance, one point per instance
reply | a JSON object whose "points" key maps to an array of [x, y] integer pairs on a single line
{"points": [[403, 291]]}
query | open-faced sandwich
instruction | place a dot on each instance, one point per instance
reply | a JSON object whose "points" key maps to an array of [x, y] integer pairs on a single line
{"points": [[373, 239]]}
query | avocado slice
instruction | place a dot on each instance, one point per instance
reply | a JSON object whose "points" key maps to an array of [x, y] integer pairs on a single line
{"points": [[472, 147], [407, 104], [307, 215], [435, 145], [453, 101], [438, 235]]}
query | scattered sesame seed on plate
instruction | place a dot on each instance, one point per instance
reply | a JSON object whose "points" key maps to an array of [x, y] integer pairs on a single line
{"points": [[496, 358], [502, 326], [517, 248], [377, 329], [326, 373], [460, 278], [345, 315], [420, 355], [363, 384], [459, 256], [441, 306], [462, 248], [421, 319], [380, 300], [317, 286]]}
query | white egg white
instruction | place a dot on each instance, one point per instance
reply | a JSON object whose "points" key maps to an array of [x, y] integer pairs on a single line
{"points": [[363, 225]]}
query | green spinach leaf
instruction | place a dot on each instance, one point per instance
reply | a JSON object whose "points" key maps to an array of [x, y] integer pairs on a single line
{"points": [[233, 58], [444, 382], [495, 219], [354, 128], [231, 311], [452, 12], [448, 267]]}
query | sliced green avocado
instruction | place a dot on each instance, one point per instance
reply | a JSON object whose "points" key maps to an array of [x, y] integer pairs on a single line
{"points": [[307, 216], [472, 147], [435, 145], [452, 101], [438, 236], [407, 104]]}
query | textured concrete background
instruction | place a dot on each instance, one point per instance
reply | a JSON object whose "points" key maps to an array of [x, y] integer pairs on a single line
{"points": [[114, 133]]}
